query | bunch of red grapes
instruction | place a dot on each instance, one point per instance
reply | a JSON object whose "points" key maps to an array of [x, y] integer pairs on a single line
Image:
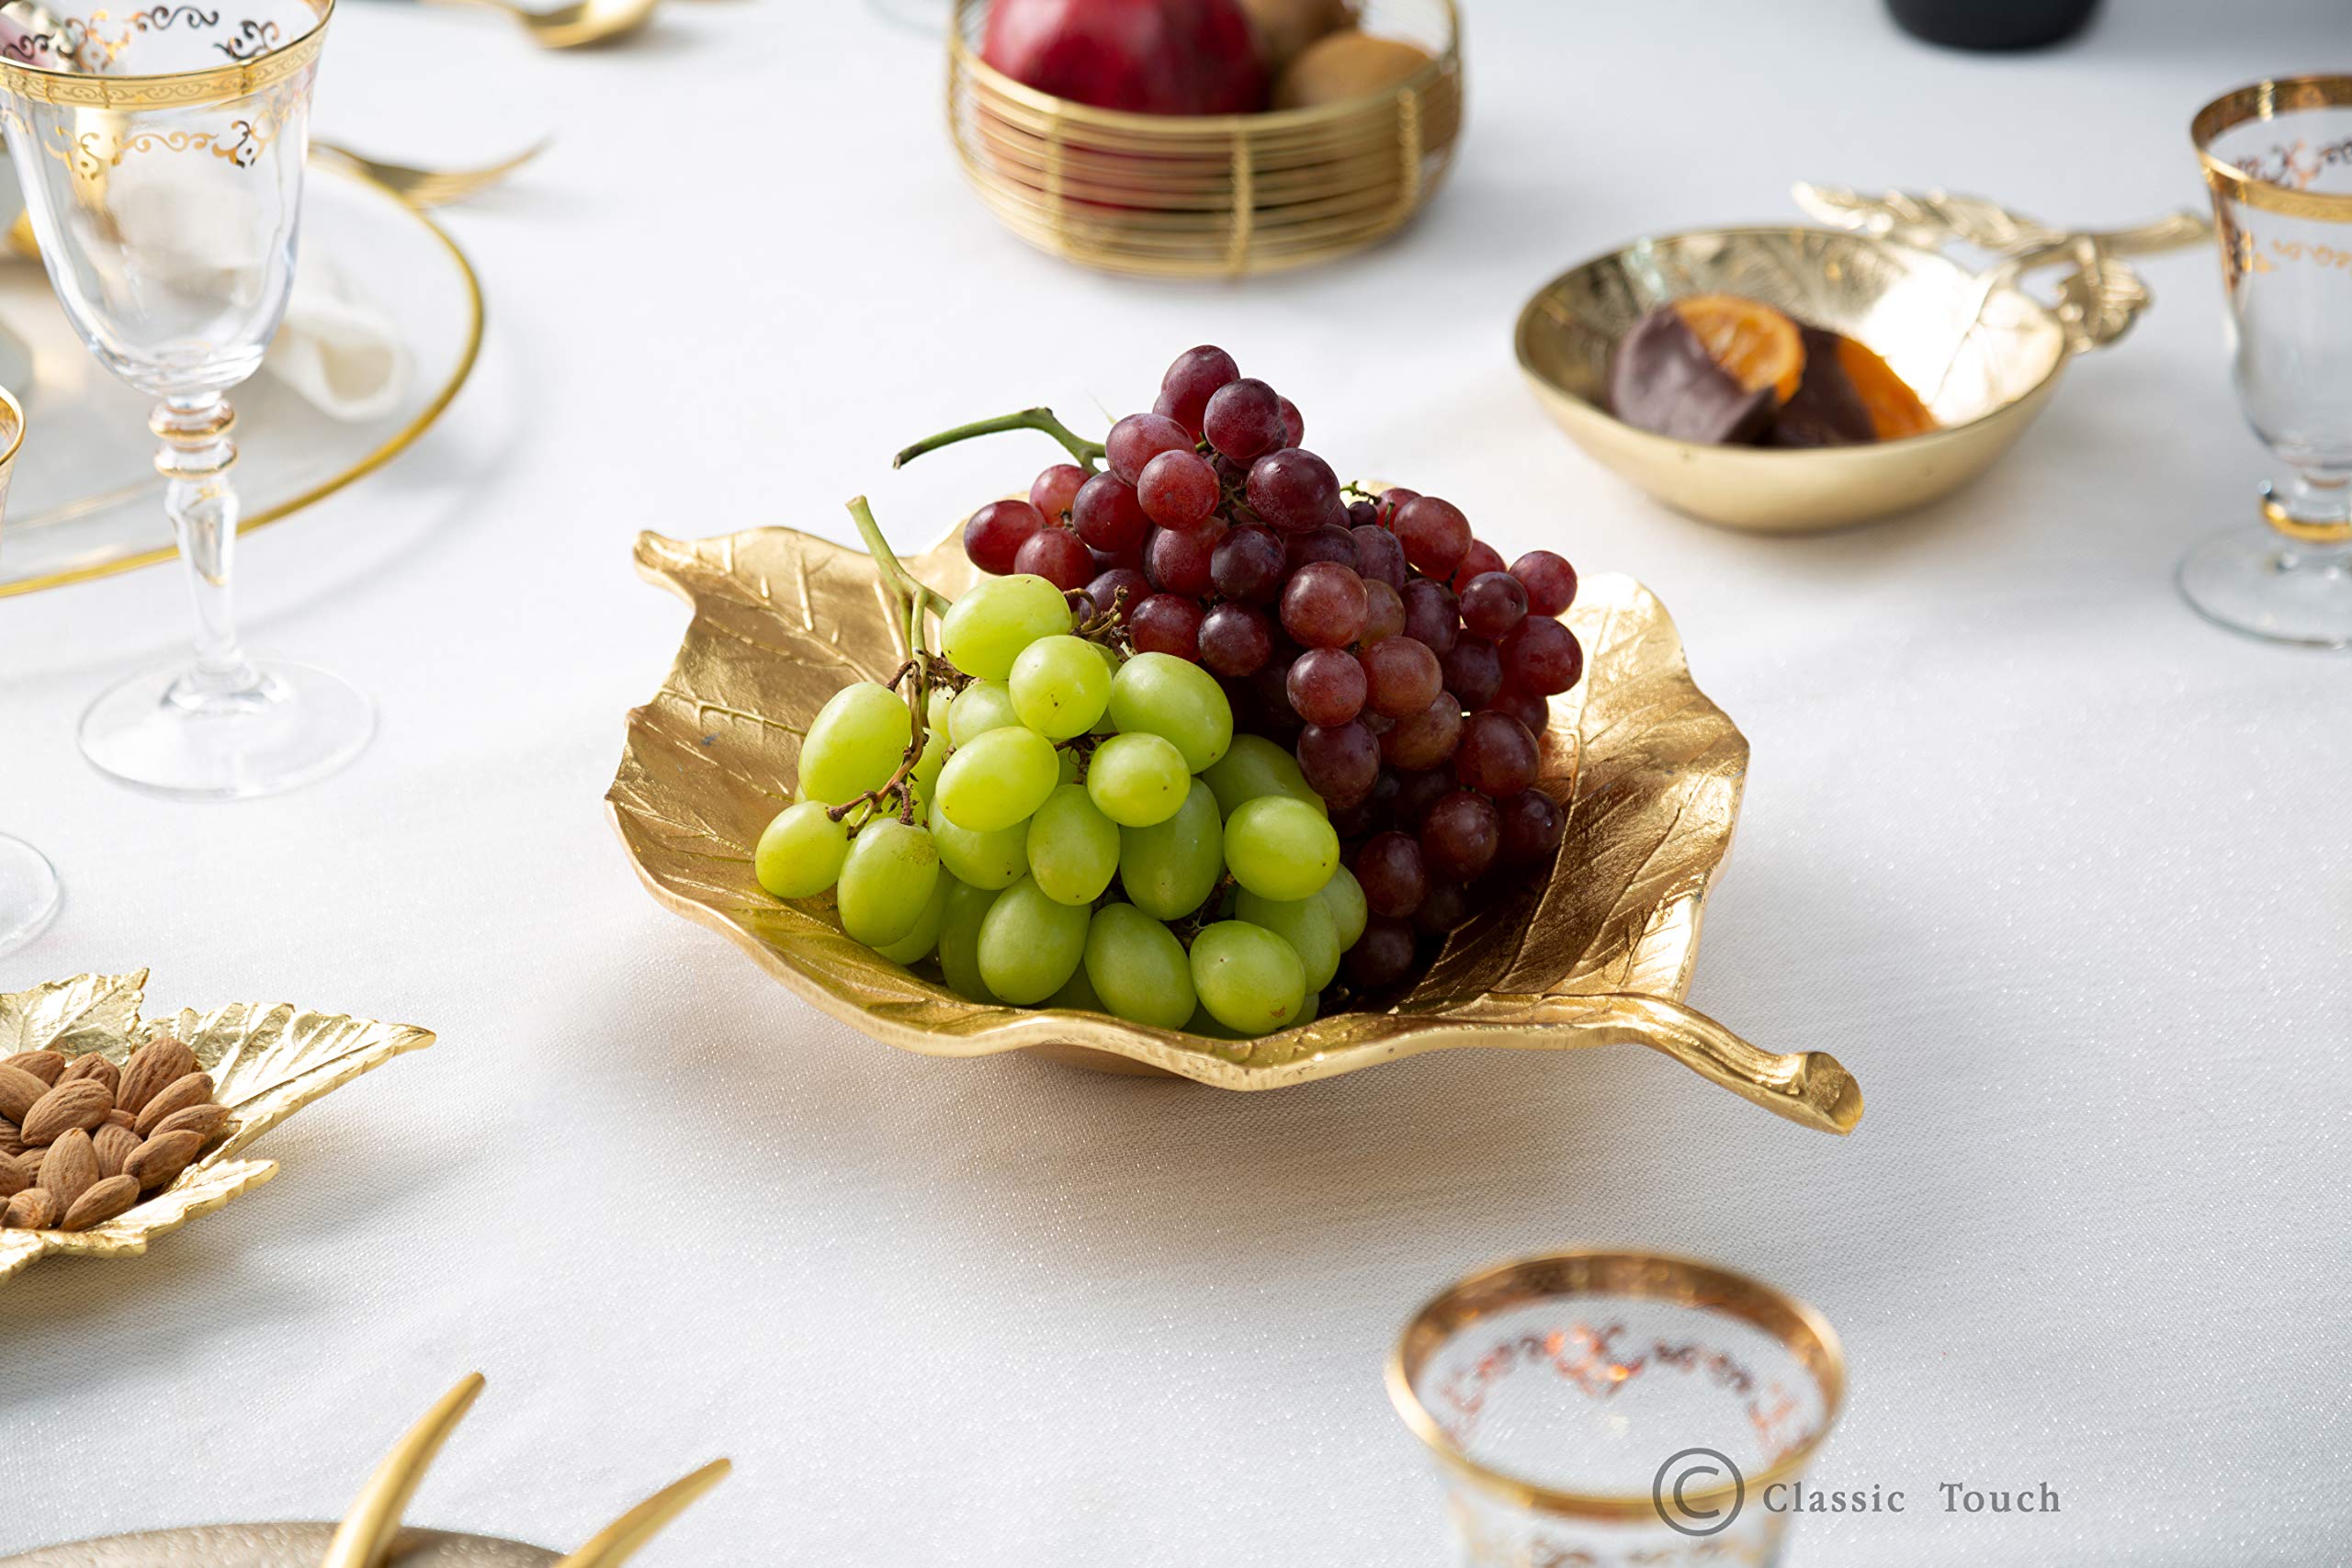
{"points": [[1404, 665]]}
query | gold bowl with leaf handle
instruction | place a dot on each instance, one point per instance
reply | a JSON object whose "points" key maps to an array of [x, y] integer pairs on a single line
{"points": [[1982, 352], [1649, 769]]}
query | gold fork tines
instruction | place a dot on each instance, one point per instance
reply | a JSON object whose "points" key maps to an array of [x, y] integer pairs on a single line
{"points": [[419, 188], [429, 187], [618, 1541], [365, 1537], [367, 1531]]}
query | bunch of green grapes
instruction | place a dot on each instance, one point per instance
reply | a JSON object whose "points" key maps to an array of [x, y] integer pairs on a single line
{"points": [[1075, 825]]}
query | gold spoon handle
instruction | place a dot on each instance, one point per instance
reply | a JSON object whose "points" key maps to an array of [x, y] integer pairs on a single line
{"points": [[618, 1541], [365, 1534]]}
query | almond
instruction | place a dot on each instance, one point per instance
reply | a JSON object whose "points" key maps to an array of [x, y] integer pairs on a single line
{"points": [[90, 1065], [113, 1145], [71, 1167], [82, 1103], [100, 1203], [46, 1066], [18, 1091], [158, 1162], [12, 1180], [30, 1163], [123, 1119], [204, 1121], [194, 1088], [12, 1141], [157, 1064], [32, 1210]]}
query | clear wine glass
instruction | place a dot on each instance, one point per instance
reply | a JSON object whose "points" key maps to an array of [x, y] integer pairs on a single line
{"points": [[161, 153], [29, 890], [2278, 158]]}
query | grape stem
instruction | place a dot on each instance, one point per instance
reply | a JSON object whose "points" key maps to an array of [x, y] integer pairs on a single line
{"points": [[1192, 925], [1088, 454], [914, 598], [905, 584], [1096, 624]]}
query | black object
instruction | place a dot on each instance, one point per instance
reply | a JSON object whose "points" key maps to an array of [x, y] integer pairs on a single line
{"points": [[1662, 379], [1825, 411], [1992, 24]]}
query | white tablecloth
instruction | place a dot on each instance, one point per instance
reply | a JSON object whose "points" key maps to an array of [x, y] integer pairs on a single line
{"points": [[2062, 873]]}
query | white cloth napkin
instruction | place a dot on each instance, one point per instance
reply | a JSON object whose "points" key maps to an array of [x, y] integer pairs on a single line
{"points": [[337, 348]]}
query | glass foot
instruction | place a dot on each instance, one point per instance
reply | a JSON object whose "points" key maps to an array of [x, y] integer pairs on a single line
{"points": [[29, 894], [155, 732], [2257, 582]]}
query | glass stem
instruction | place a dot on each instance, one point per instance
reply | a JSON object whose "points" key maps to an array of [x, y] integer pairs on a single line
{"points": [[195, 458]]}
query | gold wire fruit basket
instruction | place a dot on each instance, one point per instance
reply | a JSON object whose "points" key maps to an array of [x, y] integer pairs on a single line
{"points": [[1209, 196]]}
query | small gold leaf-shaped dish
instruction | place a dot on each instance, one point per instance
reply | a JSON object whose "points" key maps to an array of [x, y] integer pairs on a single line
{"points": [[266, 1061], [1981, 350], [1649, 769]]}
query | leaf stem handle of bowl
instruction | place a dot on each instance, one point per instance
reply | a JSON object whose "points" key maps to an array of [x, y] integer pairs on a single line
{"points": [[1811, 1088], [2173, 231]]}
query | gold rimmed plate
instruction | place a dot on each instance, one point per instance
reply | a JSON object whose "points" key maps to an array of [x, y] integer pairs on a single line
{"points": [[86, 502], [284, 1545], [1983, 352], [1649, 769]]}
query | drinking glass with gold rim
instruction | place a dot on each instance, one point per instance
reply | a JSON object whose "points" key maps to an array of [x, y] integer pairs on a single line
{"points": [[161, 156]]}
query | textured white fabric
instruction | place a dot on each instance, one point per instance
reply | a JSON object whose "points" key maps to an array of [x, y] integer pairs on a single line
{"points": [[2063, 875]]}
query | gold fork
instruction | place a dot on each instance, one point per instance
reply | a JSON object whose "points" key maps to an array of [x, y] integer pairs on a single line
{"points": [[428, 188], [420, 187], [365, 1534]]}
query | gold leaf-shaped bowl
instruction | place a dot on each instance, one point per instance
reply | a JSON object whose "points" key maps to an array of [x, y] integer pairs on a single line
{"points": [[267, 1061], [1649, 769], [1984, 354]]}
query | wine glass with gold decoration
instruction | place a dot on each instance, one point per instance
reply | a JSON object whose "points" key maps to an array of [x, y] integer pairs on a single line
{"points": [[161, 154]]}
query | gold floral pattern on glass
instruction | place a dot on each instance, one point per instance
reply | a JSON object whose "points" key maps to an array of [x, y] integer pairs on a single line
{"points": [[241, 143]]}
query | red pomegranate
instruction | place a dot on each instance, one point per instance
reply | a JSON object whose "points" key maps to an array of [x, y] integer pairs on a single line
{"points": [[1147, 56]]}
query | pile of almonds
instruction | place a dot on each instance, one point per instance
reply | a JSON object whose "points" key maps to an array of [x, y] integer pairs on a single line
{"points": [[82, 1140]]}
